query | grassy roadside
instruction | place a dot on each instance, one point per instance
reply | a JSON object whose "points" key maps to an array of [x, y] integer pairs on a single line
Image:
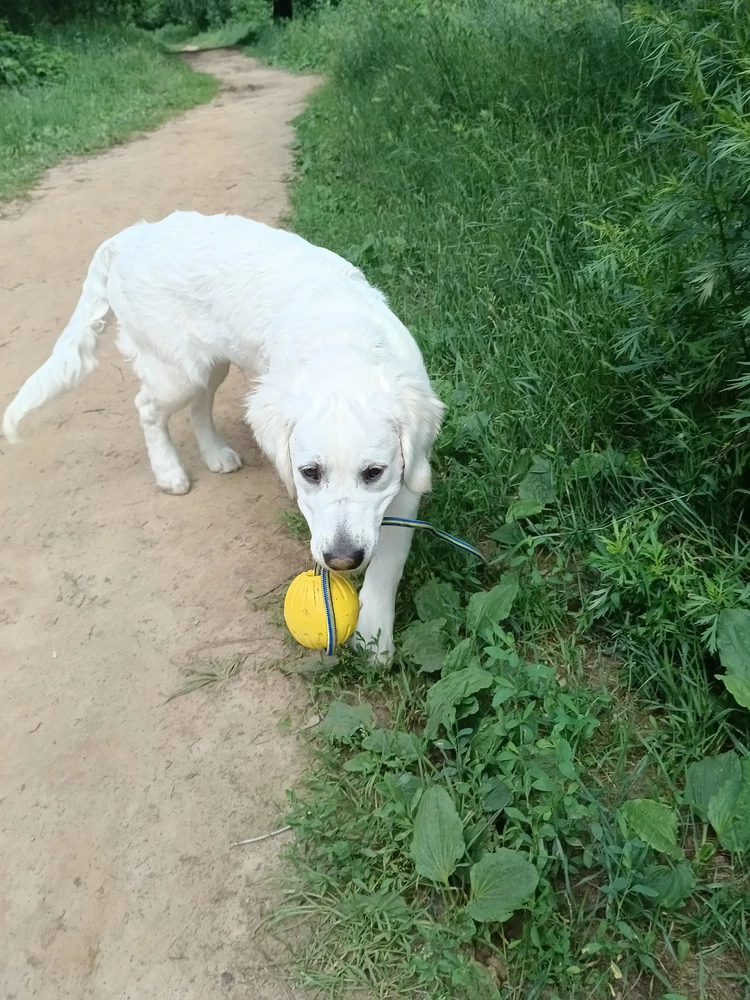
{"points": [[550, 794], [117, 81]]}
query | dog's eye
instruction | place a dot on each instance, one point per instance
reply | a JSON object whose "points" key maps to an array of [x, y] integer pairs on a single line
{"points": [[372, 473], [311, 473]]}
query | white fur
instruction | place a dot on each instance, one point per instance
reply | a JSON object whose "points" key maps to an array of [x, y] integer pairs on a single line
{"points": [[338, 388]]}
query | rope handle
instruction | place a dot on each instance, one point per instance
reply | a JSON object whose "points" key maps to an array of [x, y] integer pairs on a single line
{"points": [[459, 543], [388, 522]]}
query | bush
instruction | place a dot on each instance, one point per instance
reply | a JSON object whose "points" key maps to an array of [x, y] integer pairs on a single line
{"points": [[28, 15], [23, 59], [202, 14]]}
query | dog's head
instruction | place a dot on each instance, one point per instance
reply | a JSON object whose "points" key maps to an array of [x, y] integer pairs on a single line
{"points": [[345, 451]]}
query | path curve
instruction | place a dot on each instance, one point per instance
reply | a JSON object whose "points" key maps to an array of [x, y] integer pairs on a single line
{"points": [[117, 809]]}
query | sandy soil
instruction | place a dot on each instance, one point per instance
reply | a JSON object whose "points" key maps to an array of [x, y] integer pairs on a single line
{"points": [[117, 808]]}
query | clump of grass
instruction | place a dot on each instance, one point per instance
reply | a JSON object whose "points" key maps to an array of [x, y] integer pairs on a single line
{"points": [[552, 196], [116, 81], [212, 672], [295, 524]]}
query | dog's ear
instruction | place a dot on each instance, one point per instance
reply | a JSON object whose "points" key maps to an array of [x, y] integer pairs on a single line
{"points": [[419, 418], [271, 424]]}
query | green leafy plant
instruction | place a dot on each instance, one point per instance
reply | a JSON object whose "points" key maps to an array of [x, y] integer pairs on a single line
{"points": [[734, 652], [718, 788], [24, 59]]}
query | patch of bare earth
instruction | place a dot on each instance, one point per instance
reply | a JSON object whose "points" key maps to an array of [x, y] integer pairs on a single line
{"points": [[118, 808]]}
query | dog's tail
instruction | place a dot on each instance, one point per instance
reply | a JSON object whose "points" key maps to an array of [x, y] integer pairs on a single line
{"points": [[73, 355]]}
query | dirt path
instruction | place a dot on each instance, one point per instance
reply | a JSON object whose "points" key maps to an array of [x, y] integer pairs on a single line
{"points": [[117, 810]]}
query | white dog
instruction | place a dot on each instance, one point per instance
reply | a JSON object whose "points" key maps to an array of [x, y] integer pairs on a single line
{"points": [[340, 401]]}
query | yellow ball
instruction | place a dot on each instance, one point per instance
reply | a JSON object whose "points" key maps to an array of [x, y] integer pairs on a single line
{"points": [[305, 612]]}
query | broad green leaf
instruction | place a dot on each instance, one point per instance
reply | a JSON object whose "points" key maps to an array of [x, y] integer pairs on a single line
{"points": [[653, 823], [738, 687], [501, 882], [438, 842], [538, 483], [436, 599], [343, 721], [495, 794], [444, 695], [424, 643], [737, 838], [504, 690], [733, 640], [707, 776], [489, 607], [721, 808], [485, 741], [522, 508], [509, 534], [362, 762], [461, 656], [672, 885], [587, 466], [405, 747]]}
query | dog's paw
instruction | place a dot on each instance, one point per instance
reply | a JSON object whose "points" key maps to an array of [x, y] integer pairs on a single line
{"points": [[223, 460], [175, 481]]}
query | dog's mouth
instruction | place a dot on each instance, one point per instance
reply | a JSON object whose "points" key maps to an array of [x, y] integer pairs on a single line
{"points": [[346, 565]]}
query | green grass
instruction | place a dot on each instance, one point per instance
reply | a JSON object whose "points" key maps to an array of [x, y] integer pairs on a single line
{"points": [[552, 197], [117, 82], [176, 37], [305, 42]]}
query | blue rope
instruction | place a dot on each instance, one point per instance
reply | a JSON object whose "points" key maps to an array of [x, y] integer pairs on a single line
{"points": [[325, 583], [388, 522], [406, 522]]}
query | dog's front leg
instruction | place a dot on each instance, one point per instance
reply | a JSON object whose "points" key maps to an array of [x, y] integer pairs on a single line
{"points": [[377, 599]]}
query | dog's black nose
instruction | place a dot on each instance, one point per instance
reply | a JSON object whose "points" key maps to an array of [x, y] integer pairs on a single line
{"points": [[341, 559]]}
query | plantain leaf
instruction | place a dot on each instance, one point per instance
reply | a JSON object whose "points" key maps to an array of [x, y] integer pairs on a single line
{"points": [[738, 687], [438, 842], [343, 721], [461, 656], [706, 777], [733, 640], [722, 808], [501, 882], [522, 508], [653, 823], [436, 599], [737, 837], [391, 743], [489, 607], [424, 643], [538, 483], [444, 695], [672, 885], [588, 465]]}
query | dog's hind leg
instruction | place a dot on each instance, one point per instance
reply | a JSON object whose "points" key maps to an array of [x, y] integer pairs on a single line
{"points": [[157, 400], [215, 452]]}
